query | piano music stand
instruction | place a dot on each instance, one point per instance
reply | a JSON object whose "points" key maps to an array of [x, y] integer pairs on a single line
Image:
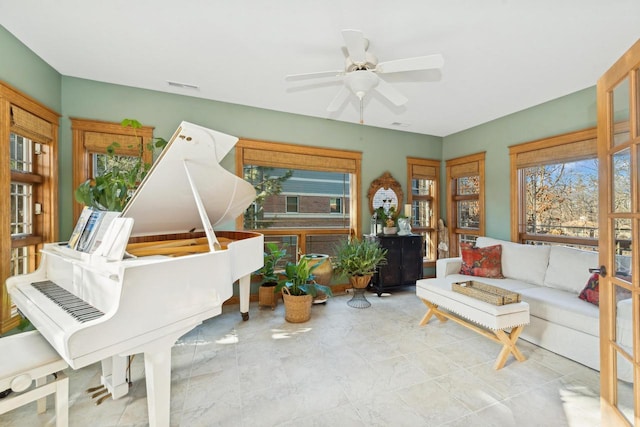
{"points": [[28, 356]]}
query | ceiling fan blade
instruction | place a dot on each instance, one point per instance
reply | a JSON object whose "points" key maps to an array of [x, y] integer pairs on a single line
{"points": [[356, 45], [389, 92], [339, 99], [315, 75], [411, 64]]}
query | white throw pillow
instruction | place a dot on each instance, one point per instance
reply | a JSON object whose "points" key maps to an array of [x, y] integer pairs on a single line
{"points": [[522, 262], [569, 268]]}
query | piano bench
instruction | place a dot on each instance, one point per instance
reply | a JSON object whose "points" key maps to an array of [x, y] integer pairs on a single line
{"points": [[26, 357]]}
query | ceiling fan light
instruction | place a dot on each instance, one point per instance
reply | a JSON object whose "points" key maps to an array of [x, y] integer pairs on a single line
{"points": [[361, 82]]}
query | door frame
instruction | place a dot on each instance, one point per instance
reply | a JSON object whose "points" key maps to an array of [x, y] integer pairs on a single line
{"points": [[626, 67]]}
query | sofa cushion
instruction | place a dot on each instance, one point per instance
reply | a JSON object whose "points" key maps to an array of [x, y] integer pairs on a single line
{"points": [[591, 292], [561, 307], [569, 268], [482, 262], [523, 262]]}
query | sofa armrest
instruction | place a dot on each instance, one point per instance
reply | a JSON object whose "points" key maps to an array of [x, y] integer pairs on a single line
{"points": [[447, 266]]}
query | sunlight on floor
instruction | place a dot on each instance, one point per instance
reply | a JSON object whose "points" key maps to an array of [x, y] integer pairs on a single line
{"points": [[278, 334]]}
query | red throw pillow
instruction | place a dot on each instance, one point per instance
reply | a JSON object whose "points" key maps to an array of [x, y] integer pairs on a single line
{"points": [[482, 262], [591, 292]]}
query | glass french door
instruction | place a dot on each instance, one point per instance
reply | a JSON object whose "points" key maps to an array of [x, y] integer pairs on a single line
{"points": [[618, 156]]}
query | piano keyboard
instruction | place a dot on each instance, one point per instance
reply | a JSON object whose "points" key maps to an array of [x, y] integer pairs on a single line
{"points": [[80, 310]]}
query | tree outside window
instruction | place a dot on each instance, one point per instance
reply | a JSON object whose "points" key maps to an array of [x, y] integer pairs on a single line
{"points": [[562, 199], [555, 188]]}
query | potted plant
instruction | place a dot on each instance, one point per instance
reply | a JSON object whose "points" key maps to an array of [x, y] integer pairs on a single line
{"points": [[357, 259], [112, 189], [322, 275], [388, 219], [272, 255], [298, 290]]}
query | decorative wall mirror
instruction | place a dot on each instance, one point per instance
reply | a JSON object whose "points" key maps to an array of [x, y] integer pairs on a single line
{"points": [[385, 192]]}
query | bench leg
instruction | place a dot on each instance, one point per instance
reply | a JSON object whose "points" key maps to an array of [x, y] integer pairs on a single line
{"points": [[58, 387], [62, 400], [41, 404], [509, 346], [433, 310]]}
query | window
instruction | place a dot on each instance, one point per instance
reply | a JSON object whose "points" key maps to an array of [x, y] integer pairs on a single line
{"points": [[320, 185], [335, 205], [555, 186], [292, 204], [465, 200], [91, 138], [423, 177], [29, 207]]}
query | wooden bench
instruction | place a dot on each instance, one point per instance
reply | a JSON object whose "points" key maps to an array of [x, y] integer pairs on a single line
{"points": [[27, 357], [487, 319]]}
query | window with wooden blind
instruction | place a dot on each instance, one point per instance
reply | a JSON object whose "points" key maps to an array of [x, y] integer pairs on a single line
{"points": [[554, 190], [465, 200], [423, 178], [90, 141], [302, 213], [29, 206]]}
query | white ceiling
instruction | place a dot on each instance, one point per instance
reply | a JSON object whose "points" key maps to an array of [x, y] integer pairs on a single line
{"points": [[501, 56]]}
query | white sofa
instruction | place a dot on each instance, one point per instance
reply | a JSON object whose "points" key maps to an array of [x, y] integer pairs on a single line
{"points": [[549, 278]]}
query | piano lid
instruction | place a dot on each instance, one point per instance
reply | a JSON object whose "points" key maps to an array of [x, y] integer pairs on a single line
{"points": [[165, 201]]}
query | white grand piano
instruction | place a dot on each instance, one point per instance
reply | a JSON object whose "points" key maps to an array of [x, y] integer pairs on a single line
{"points": [[106, 305]]}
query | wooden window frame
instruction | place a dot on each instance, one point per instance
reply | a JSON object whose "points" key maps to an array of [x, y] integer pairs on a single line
{"points": [[419, 168], [27, 117], [293, 156], [460, 167], [94, 136], [567, 147]]}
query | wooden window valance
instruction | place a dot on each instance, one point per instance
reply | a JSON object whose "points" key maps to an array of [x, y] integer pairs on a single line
{"points": [[31, 126], [563, 148], [465, 166], [291, 156]]}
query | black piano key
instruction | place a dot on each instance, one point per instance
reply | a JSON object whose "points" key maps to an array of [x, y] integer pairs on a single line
{"points": [[76, 307]]}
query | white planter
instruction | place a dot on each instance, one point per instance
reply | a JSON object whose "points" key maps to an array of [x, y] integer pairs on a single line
{"points": [[390, 230]]}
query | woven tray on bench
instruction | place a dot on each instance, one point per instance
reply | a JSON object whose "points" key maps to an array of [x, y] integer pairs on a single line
{"points": [[487, 293]]}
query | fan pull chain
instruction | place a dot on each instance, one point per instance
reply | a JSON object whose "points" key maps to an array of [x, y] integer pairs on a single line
{"points": [[361, 111]]}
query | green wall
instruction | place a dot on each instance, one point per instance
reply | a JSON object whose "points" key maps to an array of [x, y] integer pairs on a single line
{"points": [[568, 113], [382, 150], [25, 71]]}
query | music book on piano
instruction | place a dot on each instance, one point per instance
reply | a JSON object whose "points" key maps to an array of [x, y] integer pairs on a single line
{"points": [[90, 229]]}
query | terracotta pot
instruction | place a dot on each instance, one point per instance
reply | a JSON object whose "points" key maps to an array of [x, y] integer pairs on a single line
{"points": [[359, 282]]}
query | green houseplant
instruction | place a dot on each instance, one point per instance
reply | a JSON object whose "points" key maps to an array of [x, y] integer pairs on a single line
{"points": [[298, 290], [357, 258], [112, 189], [272, 255]]}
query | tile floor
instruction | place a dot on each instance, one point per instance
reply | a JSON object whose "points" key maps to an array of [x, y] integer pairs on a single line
{"points": [[345, 367]]}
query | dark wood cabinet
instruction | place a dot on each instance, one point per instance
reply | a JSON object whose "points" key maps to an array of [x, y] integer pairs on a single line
{"points": [[404, 262]]}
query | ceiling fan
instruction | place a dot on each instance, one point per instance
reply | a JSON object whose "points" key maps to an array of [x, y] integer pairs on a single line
{"points": [[362, 69]]}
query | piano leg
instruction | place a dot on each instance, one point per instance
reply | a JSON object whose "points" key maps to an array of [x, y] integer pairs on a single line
{"points": [[245, 289], [114, 376], [157, 366]]}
